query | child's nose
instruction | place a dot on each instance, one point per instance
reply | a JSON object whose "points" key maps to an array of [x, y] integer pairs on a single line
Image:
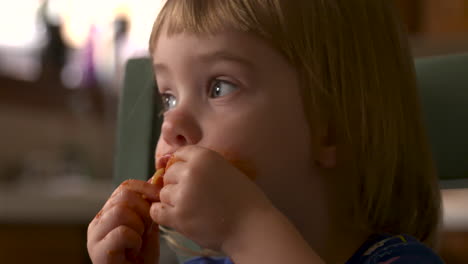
{"points": [[180, 129]]}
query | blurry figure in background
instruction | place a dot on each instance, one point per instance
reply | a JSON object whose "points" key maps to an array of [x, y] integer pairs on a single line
{"points": [[113, 47], [54, 52], [88, 64], [113, 50], [121, 41]]}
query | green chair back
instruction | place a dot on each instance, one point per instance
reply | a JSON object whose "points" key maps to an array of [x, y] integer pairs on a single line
{"points": [[443, 83], [137, 127]]}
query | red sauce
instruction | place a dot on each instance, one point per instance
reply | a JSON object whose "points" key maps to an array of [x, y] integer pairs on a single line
{"points": [[99, 214]]}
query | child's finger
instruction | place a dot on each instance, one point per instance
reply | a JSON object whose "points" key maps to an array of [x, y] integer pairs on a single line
{"points": [[193, 153], [117, 242], [186, 152], [117, 216], [167, 194], [150, 248], [131, 200], [162, 213], [127, 198], [150, 191], [173, 174]]}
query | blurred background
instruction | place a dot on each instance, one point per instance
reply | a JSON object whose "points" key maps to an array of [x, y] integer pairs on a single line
{"points": [[61, 69]]}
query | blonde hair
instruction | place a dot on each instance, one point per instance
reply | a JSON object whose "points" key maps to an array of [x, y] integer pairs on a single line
{"points": [[357, 77]]}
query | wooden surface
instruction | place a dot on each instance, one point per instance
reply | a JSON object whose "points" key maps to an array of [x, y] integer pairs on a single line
{"points": [[434, 18], [410, 13], [56, 244], [445, 18], [43, 244], [454, 247]]}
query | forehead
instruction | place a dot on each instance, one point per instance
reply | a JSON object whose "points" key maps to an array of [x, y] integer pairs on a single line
{"points": [[226, 44]]}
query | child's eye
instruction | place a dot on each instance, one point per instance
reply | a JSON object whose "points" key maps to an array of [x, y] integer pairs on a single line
{"points": [[221, 88], [169, 101]]}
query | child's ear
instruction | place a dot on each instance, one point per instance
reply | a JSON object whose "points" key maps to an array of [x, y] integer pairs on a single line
{"points": [[326, 151]]}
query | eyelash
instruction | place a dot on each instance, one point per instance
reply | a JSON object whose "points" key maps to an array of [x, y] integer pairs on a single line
{"points": [[163, 108], [160, 113], [219, 82]]}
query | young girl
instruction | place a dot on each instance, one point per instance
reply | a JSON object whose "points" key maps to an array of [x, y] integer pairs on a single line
{"points": [[317, 100]]}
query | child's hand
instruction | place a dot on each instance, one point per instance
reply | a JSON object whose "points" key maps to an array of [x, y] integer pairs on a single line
{"points": [[122, 231], [205, 198]]}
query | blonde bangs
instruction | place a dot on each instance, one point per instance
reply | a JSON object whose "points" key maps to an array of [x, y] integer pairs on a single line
{"points": [[212, 16]]}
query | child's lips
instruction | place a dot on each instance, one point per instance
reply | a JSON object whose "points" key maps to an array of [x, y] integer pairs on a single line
{"points": [[162, 164], [162, 161]]}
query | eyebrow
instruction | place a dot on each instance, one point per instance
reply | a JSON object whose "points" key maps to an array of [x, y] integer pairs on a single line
{"points": [[213, 57], [227, 56], [160, 67]]}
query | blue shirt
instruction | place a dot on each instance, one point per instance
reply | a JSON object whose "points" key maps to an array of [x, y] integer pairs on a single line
{"points": [[378, 249]]}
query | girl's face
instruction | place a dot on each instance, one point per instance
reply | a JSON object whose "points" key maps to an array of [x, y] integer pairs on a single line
{"points": [[234, 94]]}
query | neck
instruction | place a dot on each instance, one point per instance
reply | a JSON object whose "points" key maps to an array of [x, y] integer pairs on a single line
{"points": [[326, 230], [332, 243]]}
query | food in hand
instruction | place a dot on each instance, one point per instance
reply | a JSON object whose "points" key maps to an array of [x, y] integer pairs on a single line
{"points": [[158, 177], [163, 164]]}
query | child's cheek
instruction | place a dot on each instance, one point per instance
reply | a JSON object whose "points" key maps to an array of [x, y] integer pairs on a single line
{"points": [[244, 165]]}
